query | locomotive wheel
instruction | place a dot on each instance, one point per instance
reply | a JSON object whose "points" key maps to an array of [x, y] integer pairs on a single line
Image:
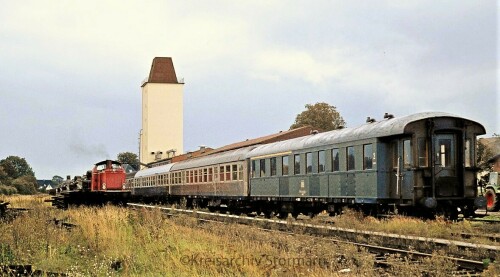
{"points": [[492, 202]]}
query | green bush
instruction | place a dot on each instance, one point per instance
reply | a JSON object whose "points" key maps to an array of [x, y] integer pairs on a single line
{"points": [[7, 190]]}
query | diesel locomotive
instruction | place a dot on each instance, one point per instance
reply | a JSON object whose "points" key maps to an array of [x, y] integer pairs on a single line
{"points": [[423, 164], [105, 183]]}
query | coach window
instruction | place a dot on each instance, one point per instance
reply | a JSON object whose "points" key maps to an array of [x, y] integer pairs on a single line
{"points": [[395, 155], [296, 164], [216, 173], [210, 174], [240, 172], [407, 153], [468, 160], [228, 173], [350, 158], [253, 169], [262, 168], [221, 174], [321, 161], [284, 166], [445, 154], [367, 156], [309, 163], [422, 153], [335, 159], [235, 172], [273, 166]]}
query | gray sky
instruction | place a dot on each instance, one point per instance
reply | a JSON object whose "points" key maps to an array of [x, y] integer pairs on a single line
{"points": [[71, 70]]}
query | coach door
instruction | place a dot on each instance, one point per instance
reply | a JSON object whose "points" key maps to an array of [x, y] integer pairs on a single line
{"points": [[402, 177], [446, 177]]}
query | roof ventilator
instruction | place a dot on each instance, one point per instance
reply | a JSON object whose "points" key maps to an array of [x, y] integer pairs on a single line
{"points": [[314, 132], [388, 116], [370, 120]]}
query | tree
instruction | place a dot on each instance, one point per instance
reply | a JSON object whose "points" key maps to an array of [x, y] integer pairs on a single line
{"points": [[483, 155], [321, 116], [16, 167], [16, 176], [57, 180], [25, 184], [129, 158], [3, 175]]}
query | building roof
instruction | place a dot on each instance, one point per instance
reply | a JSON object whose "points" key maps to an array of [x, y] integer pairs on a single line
{"points": [[282, 135], [162, 71]]}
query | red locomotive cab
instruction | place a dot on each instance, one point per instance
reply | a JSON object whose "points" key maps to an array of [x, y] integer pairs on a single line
{"points": [[108, 176]]}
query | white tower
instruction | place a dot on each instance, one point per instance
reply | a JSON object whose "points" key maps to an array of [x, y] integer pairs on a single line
{"points": [[162, 119]]}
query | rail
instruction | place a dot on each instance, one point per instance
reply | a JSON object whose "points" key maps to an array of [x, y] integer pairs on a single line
{"points": [[417, 244]]}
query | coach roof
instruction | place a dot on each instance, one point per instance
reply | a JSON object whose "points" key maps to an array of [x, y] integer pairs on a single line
{"points": [[384, 128], [154, 170], [218, 158]]}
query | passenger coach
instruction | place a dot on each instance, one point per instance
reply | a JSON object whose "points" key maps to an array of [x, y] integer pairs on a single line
{"points": [[422, 163]]}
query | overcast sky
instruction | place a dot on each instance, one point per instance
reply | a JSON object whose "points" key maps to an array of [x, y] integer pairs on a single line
{"points": [[71, 70]]}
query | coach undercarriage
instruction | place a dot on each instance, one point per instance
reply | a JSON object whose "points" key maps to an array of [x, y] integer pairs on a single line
{"points": [[282, 207]]}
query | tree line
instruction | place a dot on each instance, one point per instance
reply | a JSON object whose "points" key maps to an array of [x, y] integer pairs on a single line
{"points": [[16, 176]]}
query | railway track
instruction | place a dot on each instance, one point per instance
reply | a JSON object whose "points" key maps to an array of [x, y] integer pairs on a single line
{"points": [[379, 243]]}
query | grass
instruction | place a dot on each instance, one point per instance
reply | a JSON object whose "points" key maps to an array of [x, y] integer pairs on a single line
{"points": [[114, 241], [438, 228]]}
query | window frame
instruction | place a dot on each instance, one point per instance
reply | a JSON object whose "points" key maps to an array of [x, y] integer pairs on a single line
{"points": [[309, 163], [262, 164], [368, 157], [350, 161], [285, 166], [335, 159], [296, 164], [273, 163]]}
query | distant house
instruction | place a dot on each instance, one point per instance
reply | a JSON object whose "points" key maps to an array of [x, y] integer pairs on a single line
{"points": [[44, 184]]}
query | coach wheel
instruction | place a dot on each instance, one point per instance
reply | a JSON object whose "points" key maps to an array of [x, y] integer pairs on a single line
{"points": [[295, 215], [311, 214], [492, 204], [236, 212], [267, 214], [282, 215], [468, 211], [451, 213]]}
